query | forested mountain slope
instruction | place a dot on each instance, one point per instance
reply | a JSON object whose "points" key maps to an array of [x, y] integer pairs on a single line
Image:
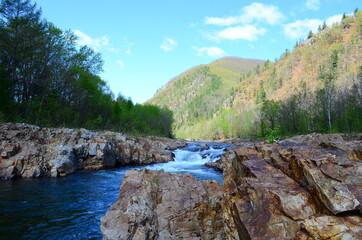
{"points": [[203, 91], [316, 87]]}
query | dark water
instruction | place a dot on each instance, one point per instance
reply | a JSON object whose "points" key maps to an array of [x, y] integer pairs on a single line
{"points": [[71, 207]]}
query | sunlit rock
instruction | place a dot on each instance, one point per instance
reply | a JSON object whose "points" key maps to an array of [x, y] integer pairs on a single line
{"points": [[161, 205], [31, 151]]}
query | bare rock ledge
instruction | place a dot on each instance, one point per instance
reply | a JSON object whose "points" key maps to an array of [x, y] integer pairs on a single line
{"points": [[31, 151]]}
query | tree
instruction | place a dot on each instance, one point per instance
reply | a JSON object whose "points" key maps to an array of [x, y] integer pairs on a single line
{"points": [[327, 93], [22, 33], [344, 16], [48, 80], [324, 26], [310, 34], [269, 116], [260, 94]]}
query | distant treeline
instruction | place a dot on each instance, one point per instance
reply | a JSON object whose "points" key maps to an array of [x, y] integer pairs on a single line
{"points": [[47, 79]]}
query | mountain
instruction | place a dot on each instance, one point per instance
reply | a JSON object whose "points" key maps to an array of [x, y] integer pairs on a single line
{"points": [[203, 91], [316, 87]]}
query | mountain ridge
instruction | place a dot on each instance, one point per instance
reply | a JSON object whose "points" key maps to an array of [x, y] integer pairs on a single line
{"points": [[199, 91]]}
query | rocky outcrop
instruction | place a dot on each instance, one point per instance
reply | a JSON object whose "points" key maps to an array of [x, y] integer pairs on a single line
{"points": [[161, 205], [32, 151], [305, 187]]}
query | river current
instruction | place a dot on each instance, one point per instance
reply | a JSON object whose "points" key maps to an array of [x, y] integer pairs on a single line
{"points": [[71, 207]]}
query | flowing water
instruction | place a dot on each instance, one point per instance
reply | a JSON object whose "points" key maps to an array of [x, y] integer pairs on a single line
{"points": [[70, 207]]}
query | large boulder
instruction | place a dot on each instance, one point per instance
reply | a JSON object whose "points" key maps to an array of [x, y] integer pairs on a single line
{"points": [[161, 205]]}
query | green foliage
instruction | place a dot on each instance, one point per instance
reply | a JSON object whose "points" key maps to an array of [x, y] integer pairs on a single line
{"points": [[261, 94], [310, 34], [46, 79], [273, 135]]}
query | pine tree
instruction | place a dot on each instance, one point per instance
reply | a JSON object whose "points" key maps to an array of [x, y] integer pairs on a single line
{"points": [[310, 34], [324, 25]]}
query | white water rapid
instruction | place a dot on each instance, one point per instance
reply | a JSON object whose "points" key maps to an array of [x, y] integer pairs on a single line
{"points": [[192, 158]]}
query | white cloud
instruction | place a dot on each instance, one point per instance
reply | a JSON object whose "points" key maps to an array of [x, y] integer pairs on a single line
{"points": [[168, 44], [213, 52], [334, 19], [253, 12], [218, 21], [120, 63], [95, 43], [312, 4], [300, 28], [259, 11], [248, 32]]}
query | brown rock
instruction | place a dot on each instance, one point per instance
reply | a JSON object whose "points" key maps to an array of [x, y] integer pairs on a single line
{"points": [[294, 188], [161, 205], [331, 227], [270, 204]]}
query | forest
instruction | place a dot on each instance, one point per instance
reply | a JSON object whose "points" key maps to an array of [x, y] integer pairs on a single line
{"points": [[316, 87], [335, 104], [46, 79]]}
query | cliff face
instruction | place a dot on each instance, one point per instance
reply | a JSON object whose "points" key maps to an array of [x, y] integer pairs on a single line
{"points": [[306, 187], [31, 151]]}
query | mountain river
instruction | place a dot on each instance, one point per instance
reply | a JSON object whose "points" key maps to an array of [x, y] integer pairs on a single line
{"points": [[71, 207]]}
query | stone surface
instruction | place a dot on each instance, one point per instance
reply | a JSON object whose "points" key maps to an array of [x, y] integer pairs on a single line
{"points": [[161, 205], [32, 151], [305, 187]]}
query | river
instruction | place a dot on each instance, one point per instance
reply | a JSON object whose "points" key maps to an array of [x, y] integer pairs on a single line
{"points": [[71, 207]]}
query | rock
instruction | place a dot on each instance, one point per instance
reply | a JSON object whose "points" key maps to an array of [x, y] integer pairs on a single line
{"points": [[31, 151], [161, 205], [332, 227], [144, 151], [217, 165], [305, 187], [62, 160], [269, 203]]}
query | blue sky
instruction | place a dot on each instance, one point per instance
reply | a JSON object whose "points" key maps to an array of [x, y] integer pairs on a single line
{"points": [[145, 43]]}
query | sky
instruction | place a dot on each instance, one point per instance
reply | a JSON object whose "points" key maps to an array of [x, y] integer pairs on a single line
{"points": [[146, 43]]}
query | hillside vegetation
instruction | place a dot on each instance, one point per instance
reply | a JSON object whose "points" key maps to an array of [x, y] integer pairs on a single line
{"points": [[47, 79], [204, 91], [316, 87]]}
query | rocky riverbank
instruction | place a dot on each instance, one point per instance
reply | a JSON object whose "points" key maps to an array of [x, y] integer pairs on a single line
{"points": [[31, 151], [305, 187]]}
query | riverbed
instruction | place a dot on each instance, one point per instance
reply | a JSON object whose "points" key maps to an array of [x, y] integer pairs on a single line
{"points": [[70, 207]]}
